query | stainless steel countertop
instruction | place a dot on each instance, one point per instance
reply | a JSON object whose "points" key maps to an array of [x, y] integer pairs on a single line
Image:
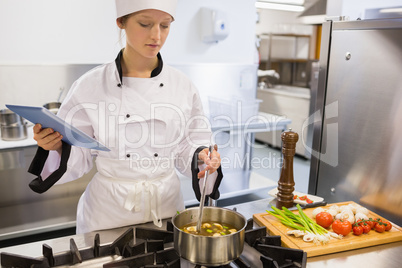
{"points": [[387, 255], [263, 122]]}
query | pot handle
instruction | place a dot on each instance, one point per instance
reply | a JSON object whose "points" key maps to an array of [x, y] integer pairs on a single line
{"points": [[211, 202]]}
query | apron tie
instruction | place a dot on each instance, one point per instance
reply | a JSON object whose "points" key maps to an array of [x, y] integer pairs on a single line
{"points": [[136, 188], [134, 196]]}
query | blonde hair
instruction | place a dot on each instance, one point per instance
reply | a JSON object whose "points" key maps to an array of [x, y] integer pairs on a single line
{"points": [[121, 34]]}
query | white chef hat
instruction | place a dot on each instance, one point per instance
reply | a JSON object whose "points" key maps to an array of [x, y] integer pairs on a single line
{"points": [[125, 7]]}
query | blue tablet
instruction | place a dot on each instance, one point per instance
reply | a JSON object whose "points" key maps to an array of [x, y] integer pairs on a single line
{"points": [[47, 119]]}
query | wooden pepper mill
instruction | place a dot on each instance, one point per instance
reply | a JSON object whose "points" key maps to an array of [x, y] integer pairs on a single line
{"points": [[286, 181]]}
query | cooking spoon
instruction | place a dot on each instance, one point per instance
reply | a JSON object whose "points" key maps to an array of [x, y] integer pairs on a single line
{"points": [[202, 201], [60, 94]]}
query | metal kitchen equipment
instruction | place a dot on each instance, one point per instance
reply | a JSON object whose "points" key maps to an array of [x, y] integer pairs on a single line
{"points": [[13, 127], [145, 245], [202, 200], [52, 106], [357, 147], [208, 250], [9, 118]]}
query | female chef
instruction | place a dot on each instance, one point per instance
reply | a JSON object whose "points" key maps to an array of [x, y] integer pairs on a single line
{"points": [[150, 117]]}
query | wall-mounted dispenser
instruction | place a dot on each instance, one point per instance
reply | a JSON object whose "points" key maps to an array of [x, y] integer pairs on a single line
{"points": [[214, 25]]}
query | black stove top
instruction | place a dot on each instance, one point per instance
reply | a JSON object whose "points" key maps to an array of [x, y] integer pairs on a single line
{"points": [[148, 247]]}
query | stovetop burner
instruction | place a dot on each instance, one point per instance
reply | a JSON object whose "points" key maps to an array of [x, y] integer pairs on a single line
{"points": [[154, 248]]}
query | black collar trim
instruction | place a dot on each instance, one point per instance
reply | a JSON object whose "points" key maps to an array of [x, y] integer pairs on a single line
{"points": [[154, 73], [158, 68], [118, 66]]}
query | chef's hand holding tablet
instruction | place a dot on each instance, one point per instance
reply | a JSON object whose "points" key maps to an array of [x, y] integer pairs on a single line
{"points": [[47, 138]]}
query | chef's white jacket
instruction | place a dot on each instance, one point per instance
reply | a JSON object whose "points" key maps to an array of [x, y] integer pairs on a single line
{"points": [[152, 126]]}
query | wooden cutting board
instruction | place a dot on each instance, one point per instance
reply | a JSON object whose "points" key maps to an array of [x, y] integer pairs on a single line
{"points": [[349, 242]]}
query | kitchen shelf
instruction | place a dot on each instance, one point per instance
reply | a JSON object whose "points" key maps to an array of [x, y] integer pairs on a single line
{"points": [[287, 60], [289, 57], [290, 35]]}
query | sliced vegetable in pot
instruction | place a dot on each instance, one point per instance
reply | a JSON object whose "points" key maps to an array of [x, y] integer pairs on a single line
{"points": [[209, 229]]}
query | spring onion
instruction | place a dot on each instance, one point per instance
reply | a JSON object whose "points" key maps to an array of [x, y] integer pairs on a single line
{"points": [[312, 231]]}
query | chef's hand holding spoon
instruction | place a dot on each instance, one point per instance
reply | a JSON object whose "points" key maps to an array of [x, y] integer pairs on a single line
{"points": [[47, 138], [213, 163]]}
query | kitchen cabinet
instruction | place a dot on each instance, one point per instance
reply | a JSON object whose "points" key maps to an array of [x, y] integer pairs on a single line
{"points": [[290, 102], [288, 47], [287, 54]]}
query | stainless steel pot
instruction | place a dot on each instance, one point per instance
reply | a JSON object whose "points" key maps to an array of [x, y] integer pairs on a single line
{"points": [[14, 133], [13, 126], [207, 250], [9, 118], [53, 106]]}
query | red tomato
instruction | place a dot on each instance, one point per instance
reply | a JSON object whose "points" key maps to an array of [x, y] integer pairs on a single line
{"points": [[360, 222], [388, 225], [357, 230], [324, 219], [377, 220], [309, 201], [370, 223], [342, 227], [303, 197], [366, 228], [380, 227]]}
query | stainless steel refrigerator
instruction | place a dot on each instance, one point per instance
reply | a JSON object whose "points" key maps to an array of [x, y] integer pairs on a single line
{"points": [[357, 137]]}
